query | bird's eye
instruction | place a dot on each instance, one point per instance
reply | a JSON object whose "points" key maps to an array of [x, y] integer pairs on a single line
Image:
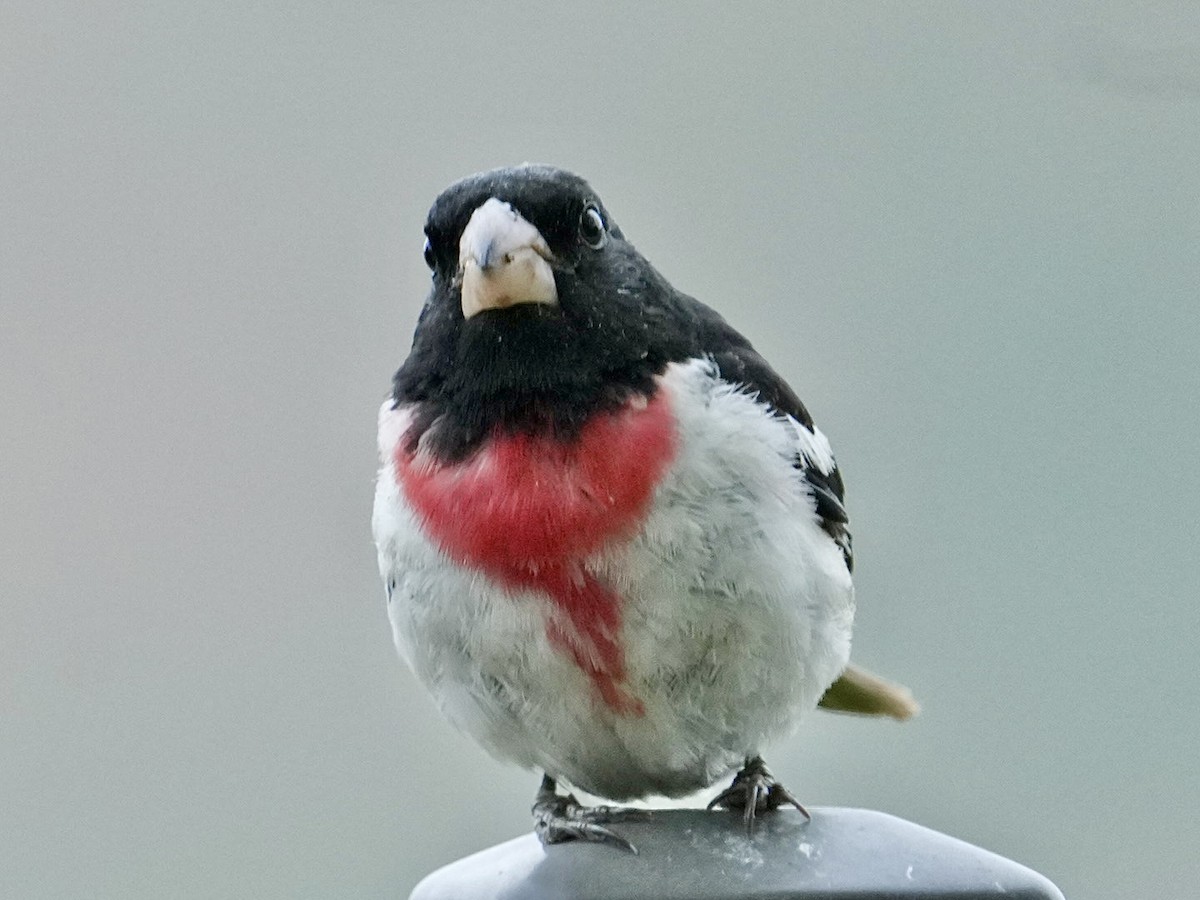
{"points": [[591, 227], [430, 259]]}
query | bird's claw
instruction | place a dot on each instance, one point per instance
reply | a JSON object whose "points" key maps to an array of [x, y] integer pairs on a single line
{"points": [[754, 790], [557, 819]]}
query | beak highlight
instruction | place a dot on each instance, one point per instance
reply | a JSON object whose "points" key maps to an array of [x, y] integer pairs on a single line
{"points": [[503, 260]]}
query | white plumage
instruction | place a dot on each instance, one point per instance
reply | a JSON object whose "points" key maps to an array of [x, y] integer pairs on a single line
{"points": [[736, 616]]}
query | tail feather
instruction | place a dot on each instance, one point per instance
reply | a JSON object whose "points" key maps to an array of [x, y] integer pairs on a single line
{"points": [[858, 691]]}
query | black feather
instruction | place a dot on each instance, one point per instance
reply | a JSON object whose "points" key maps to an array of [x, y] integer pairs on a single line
{"points": [[617, 325]]}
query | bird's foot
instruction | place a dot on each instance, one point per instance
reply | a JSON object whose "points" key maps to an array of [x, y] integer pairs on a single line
{"points": [[754, 790], [557, 819]]}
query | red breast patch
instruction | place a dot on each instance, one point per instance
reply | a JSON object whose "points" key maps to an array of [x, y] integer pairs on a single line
{"points": [[529, 510]]}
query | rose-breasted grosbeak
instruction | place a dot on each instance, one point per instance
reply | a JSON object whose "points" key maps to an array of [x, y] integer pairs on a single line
{"points": [[612, 538]]}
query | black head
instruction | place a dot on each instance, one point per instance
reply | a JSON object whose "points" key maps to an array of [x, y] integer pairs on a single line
{"points": [[552, 200], [604, 325]]}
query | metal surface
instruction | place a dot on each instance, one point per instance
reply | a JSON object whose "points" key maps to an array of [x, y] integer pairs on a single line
{"points": [[842, 853]]}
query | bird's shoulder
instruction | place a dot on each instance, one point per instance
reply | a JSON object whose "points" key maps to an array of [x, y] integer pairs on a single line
{"points": [[738, 363]]}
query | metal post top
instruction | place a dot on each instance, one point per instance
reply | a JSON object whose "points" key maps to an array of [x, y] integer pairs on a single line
{"points": [[699, 855]]}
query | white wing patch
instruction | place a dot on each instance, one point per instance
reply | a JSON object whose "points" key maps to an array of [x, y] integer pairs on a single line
{"points": [[814, 446]]}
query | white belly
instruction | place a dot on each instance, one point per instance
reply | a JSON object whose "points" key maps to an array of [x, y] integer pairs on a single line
{"points": [[736, 614]]}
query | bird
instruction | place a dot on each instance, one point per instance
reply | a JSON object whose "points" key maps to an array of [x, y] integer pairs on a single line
{"points": [[614, 544]]}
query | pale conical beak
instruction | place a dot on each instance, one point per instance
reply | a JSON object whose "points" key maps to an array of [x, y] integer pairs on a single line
{"points": [[503, 260]]}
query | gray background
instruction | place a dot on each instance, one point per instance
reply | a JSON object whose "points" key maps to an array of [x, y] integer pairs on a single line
{"points": [[966, 233]]}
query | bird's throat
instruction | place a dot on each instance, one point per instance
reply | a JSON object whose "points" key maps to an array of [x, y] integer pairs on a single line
{"points": [[531, 510]]}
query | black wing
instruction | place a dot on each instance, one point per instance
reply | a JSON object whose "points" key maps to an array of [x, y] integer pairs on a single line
{"points": [[739, 363]]}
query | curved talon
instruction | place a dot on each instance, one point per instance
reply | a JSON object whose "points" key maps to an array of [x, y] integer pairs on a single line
{"points": [[558, 819], [754, 790]]}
